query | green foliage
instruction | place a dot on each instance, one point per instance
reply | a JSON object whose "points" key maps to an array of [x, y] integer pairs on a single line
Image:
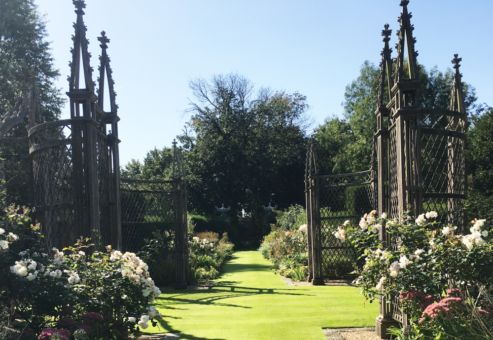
{"points": [[235, 142], [157, 165], [64, 290], [440, 278], [290, 219], [25, 56], [207, 256]]}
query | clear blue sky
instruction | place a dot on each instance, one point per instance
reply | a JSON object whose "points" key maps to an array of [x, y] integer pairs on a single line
{"points": [[313, 47]]}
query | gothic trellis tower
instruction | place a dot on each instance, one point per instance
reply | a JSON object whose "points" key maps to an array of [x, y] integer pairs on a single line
{"points": [[420, 151], [76, 161]]}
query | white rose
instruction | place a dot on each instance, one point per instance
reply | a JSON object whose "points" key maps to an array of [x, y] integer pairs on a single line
{"points": [[370, 219], [2, 231], [479, 241], [32, 276], [132, 319], [384, 215], [432, 214], [22, 271], [145, 292], [346, 223], [446, 230], [421, 219], [403, 262], [484, 233], [32, 265], [4, 244]]}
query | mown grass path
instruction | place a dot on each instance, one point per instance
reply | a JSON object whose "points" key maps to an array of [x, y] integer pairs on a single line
{"points": [[250, 301]]}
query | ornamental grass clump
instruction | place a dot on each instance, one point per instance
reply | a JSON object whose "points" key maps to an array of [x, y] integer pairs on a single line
{"points": [[441, 278], [78, 289]]}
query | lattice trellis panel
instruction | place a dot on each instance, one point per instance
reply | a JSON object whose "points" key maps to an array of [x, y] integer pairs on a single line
{"points": [[52, 161], [342, 197], [443, 165], [148, 207]]}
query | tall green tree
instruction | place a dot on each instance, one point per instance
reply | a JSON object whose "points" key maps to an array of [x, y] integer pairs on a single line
{"points": [[244, 150], [25, 58]]}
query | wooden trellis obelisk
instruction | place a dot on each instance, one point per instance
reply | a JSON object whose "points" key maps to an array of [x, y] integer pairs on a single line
{"points": [[420, 151]]}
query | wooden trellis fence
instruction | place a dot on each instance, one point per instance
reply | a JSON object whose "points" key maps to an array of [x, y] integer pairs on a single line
{"points": [[330, 201], [420, 154], [158, 206]]}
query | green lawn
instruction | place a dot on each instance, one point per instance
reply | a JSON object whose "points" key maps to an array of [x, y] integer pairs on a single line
{"points": [[250, 301]]}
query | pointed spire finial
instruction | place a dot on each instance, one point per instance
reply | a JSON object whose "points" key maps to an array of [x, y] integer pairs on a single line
{"points": [[404, 3], [386, 33], [104, 40], [80, 5], [456, 61]]}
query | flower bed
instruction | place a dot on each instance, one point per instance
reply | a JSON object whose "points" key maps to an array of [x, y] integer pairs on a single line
{"points": [[76, 292], [208, 254], [443, 281], [287, 245]]}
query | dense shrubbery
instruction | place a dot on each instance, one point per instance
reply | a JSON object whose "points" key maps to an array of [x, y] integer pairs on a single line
{"points": [[287, 245], [77, 292], [208, 254], [444, 281]]}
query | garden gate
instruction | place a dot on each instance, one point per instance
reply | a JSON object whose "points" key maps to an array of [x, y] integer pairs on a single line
{"points": [[330, 201], [158, 209]]}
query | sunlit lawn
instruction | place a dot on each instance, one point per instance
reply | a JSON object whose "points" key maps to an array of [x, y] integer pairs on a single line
{"points": [[250, 301]]}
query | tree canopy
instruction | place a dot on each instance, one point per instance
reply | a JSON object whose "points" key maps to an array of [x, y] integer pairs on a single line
{"points": [[243, 148], [25, 58]]}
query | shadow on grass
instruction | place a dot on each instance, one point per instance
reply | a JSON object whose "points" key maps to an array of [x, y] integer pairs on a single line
{"points": [[166, 327], [240, 267]]}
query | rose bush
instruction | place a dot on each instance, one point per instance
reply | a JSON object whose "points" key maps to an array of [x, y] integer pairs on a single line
{"points": [[426, 262], [96, 294]]}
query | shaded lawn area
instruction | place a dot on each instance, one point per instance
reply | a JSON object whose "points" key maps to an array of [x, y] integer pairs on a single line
{"points": [[250, 301]]}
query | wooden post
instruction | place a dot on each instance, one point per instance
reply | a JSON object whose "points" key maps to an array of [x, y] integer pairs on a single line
{"points": [[316, 234]]}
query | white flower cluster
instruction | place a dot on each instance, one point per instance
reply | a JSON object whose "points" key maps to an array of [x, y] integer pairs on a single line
{"points": [[58, 257], [144, 319], [367, 222], [138, 273], [26, 268], [73, 277], [340, 234], [422, 218], [4, 244], [476, 235], [394, 269], [379, 285], [303, 228]]}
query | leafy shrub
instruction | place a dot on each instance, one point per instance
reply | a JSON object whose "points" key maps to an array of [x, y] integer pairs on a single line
{"points": [[207, 255], [442, 279], [291, 219], [106, 294], [287, 245]]}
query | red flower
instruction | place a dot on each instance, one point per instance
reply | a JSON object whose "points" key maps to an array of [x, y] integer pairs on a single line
{"points": [[453, 292], [48, 332], [483, 312]]}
